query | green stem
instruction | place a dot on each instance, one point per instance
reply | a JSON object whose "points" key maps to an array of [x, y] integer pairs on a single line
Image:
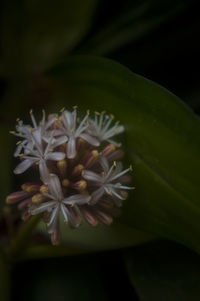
{"points": [[22, 239]]}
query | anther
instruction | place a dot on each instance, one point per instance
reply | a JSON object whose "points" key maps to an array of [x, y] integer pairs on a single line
{"points": [[44, 189], [92, 158], [65, 182], [38, 198], [31, 187], [62, 167], [62, 110], [77, 170]]}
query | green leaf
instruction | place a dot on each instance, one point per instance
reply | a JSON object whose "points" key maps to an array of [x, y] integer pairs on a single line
{"points": [[163, 142], [87, 238], [35, 33], [164, 271], [138, 20]]}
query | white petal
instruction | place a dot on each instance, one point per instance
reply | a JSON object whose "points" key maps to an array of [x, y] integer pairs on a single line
{"points": [[65, 212], [68, 120], [114, 142], [41, 208], [56, 156], [24, 165], [104, 164], [44, 172], [37, 137], [53, 219], [55, 187], [91, 140], [50, 122], [71, 148], [91, 176], [97, 194], [59, 141], [116, 176], [18, 149], [77, 199]]}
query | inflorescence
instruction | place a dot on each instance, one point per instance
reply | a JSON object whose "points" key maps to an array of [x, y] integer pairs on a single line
{"points": [[80, 172]]}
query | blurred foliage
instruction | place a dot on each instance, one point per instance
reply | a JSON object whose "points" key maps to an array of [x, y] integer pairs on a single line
{"points": [[157, 40], [164, 271], [162, 141]]}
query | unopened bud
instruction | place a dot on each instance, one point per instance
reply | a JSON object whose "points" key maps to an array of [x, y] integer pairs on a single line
{"points": [[89, 216], [103, 217], [92, 158], [17, 196], [80, 185], [62, 167], [31, 187], [65, 182], [108, 150], [115, 156], [44, 189], [77, 170], [38, 198]]}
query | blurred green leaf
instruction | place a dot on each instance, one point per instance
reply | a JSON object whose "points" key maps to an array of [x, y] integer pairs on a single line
{"points": [[87, 238], [139, 19], [163, 142], [35, 33], [164, 271]]}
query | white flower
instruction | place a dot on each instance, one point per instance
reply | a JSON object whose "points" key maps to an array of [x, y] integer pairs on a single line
{"points": [[100, 128], [106, 181], [38, 147], [25, 132], [59, 203], [72, 131]]}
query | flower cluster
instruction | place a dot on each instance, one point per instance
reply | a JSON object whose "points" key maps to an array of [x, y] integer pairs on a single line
{"points": [[80, 172]]}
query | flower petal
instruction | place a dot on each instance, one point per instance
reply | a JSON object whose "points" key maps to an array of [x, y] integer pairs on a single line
{"points": [[41, 208], [44, 172], [91, 140], [55, 156], [71, 148], [77, 199], [96, 195], [91, 176], [24, 165], [59, 141], [65, 212], [53, 221], [55, 187]]}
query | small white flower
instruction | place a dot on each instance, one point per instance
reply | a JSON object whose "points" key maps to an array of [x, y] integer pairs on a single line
{"points": [[38, 147], [40, 154], [58, 204], [72, 131], [25, 132], [100, 128], [106, 181]]}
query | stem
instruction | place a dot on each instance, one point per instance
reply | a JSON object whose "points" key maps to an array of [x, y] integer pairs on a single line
{"points": [[22, 239]]}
